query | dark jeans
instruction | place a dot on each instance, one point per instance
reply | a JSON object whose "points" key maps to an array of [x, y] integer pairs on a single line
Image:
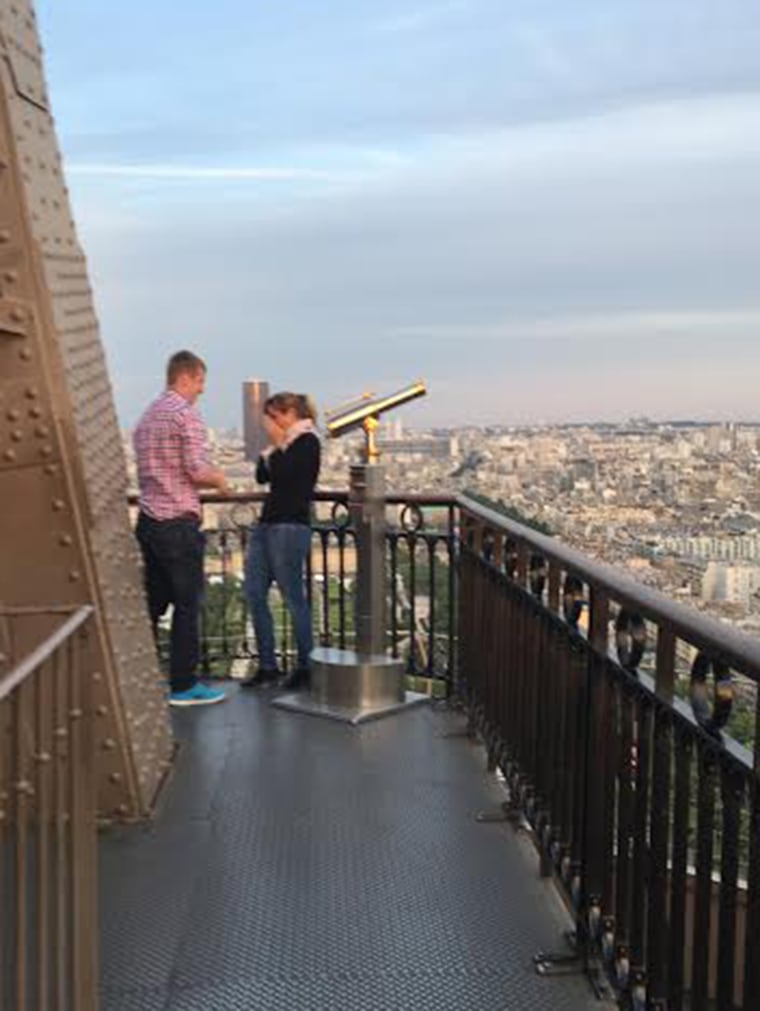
{"points": [[276, 553], [173, 555]]}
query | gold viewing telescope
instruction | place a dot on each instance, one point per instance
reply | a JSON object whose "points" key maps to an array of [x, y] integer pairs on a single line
{"points": [[366, 412]]}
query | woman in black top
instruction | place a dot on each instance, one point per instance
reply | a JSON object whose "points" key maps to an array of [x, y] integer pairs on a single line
{"points": [[279, 543]]}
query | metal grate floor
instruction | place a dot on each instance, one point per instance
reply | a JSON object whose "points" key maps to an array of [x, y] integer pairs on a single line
{"points": [[298, 863]]}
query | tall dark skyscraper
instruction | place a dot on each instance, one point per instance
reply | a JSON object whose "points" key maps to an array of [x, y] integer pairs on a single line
{"points": [[255, 392]]}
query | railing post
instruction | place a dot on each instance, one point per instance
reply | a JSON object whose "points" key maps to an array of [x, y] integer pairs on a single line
{"points": [[453, 673], [593, 858], [83, 849], [657, 927], [20, 787], [751, 961]]}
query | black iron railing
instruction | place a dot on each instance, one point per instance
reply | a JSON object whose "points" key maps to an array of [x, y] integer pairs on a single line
{"points": [[626, 725], [421, 570], [642, 804]]}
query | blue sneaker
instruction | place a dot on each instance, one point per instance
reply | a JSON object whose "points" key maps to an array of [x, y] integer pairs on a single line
{"points": [[198, 695]]}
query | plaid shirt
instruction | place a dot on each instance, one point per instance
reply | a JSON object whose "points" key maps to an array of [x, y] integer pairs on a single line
{"points": [[170, 446]]}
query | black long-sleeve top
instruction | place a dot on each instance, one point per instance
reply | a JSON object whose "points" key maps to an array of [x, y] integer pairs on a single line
{"points": [[292, 475]]}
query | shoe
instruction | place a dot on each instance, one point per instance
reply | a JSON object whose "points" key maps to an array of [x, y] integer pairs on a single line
{"points": [[299, 678], [261, 677], [198, 695]]}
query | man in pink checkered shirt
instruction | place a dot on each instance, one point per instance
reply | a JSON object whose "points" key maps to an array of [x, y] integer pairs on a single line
{"points": [[172, 466]]}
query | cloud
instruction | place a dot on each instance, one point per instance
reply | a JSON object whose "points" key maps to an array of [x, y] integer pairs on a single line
{"points": [[420, 19], [597, 265], [641, 326], [213, 173]]}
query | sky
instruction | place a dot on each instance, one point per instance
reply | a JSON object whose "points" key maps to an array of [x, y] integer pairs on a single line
{"points": [[548, 210]]}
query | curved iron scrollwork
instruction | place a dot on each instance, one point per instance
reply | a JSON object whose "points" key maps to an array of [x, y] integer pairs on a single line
{"points": [[711, 719], [339, 515], [538, 570], [572, 600], [411, 518], [489, 545], [244, 514], [510, 557], [630, 639]]}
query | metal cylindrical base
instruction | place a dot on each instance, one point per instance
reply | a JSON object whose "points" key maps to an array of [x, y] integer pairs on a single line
{"points": [[350, 680]]}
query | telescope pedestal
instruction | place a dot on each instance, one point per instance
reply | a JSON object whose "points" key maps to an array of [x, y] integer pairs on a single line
{"points": [[362, 684], [352, 688]]}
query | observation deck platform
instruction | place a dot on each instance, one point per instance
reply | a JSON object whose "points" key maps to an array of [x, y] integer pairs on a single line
{"points": [[297, 863]]}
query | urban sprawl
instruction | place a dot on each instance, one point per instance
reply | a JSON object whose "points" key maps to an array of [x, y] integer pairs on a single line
{"points": [[677, 504]]}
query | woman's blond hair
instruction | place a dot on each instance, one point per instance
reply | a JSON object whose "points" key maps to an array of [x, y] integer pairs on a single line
{"points": [[301, 403]]}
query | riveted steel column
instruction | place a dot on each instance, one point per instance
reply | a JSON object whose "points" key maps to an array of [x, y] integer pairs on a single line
{"points": [[65, 536]]}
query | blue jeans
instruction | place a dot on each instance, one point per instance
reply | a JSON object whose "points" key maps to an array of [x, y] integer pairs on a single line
{"points": [[276, 553]]}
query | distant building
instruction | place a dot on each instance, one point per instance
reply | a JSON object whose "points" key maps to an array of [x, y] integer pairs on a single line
{"points": [[435, 447], [714, 547], [730, 584], [255, 392]]}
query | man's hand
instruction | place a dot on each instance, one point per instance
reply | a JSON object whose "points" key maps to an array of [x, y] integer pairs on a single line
{"points": [[212, 478]]}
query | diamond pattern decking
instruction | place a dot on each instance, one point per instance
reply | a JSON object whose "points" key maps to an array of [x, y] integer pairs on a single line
{"points": [[298, 863]]}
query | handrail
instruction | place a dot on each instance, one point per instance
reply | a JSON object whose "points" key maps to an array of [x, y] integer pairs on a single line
{"points": [[44, 651], [738, 649], [243, 497]]}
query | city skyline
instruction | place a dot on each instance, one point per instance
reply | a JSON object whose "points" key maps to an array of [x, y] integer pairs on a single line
{"points": [[547, 213]]}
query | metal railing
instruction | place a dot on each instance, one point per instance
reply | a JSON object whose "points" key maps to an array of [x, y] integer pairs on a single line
{"points": [[627, 726], [421, 568], [48, 919], [644, 808]]}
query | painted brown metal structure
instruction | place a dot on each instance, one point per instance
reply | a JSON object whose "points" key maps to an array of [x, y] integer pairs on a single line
{"points": [[64, 533]]}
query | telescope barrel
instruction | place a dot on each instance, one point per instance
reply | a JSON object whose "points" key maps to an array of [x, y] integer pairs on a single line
{"points": [[354, 417]]}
